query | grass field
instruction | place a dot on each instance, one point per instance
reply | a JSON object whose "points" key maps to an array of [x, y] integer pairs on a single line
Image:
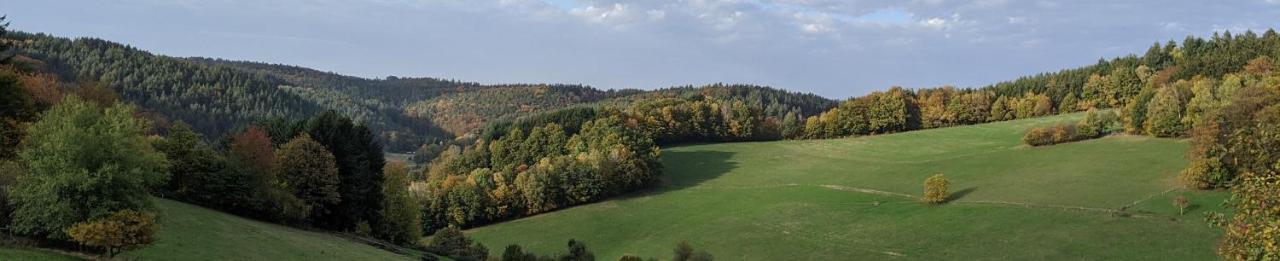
{"points": [[189, 232], [27, 254], [856, 199]]}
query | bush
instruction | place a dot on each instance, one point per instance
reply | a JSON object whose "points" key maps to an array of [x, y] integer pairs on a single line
{"points": [[125, 229], [1055, 134], [578, 252], [685, 252], [515, 253], [1095, 124], [1182, 203], [935, 189], [452, 243]]}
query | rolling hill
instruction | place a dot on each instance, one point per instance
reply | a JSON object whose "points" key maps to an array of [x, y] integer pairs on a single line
{"points": [[856, 198], [189, 232], [216, 96]]}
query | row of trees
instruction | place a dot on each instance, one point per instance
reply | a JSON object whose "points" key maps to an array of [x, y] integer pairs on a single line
{"points": [[574, 156], [546, 169], [1224, 93], [326, 172], [1235, 147], [83, 166]]}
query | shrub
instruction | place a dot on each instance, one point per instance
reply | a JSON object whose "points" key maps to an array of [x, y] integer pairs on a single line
{"points": [[1055, 134], [685, 252], [515, 253], [125, 229], [1095, 124], [452, 243], [578, 252], [1182, 203], [935, 189], [1253, 230]]}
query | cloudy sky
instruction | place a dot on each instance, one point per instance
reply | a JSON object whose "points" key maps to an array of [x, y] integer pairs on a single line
{"points": [[833, 48]]}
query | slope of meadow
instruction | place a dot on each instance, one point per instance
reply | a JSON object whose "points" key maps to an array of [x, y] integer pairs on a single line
{"points": [[189, 232], [856, 198]]}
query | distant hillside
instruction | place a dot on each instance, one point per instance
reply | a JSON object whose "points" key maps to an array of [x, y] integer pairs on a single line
{"points": [[775, 102], [464, 112], [217, 96]]}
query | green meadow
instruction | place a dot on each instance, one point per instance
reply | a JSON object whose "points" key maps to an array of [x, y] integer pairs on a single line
{"points": [[857, 198], [189, 232]]}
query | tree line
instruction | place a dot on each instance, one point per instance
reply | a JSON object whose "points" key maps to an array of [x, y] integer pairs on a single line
{"points": [[84, 163]]}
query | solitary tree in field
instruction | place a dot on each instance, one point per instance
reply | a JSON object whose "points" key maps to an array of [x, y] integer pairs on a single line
{"points": [[125, 229], [1182, 203], [935, 189]]}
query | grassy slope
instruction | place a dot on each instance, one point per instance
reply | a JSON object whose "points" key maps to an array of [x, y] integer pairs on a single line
{"points": [[810, 199], [8, 253], [189, 232]]}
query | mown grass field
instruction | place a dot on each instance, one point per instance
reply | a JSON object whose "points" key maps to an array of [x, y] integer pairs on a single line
{"points": [[189, 232], [856, 199]]}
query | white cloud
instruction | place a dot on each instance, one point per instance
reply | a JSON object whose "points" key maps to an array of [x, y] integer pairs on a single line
{"points": [[614, 12], [934, 23], [815, 23]]}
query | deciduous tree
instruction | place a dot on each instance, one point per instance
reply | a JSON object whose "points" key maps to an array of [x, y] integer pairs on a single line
{"points": [[111, 167], [935, 189], [401, 210], [309, 172], [122, 230]]}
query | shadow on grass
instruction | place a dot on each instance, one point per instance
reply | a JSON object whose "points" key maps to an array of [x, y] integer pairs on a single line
{"points": [[684, 169], [960, 194]]}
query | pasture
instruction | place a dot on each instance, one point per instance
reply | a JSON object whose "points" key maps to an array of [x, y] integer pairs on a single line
{"points": [[857, 198]]}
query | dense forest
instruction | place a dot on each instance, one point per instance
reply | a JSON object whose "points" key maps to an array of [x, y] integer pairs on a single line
{"points": [[215, 96]]}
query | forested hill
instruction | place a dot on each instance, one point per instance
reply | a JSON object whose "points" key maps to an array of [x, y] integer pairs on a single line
{"points": [[218, 96], [1120, 78]]}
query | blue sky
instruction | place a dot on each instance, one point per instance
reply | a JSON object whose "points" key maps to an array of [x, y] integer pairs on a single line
{"points": [[833, 48]]}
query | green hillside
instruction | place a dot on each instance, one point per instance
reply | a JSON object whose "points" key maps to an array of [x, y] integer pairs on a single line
{"points": [[189, 232], [856, 198], [7, 253]]}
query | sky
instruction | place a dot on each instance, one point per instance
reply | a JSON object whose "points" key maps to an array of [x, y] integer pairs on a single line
{"points": [[836, 49]]}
